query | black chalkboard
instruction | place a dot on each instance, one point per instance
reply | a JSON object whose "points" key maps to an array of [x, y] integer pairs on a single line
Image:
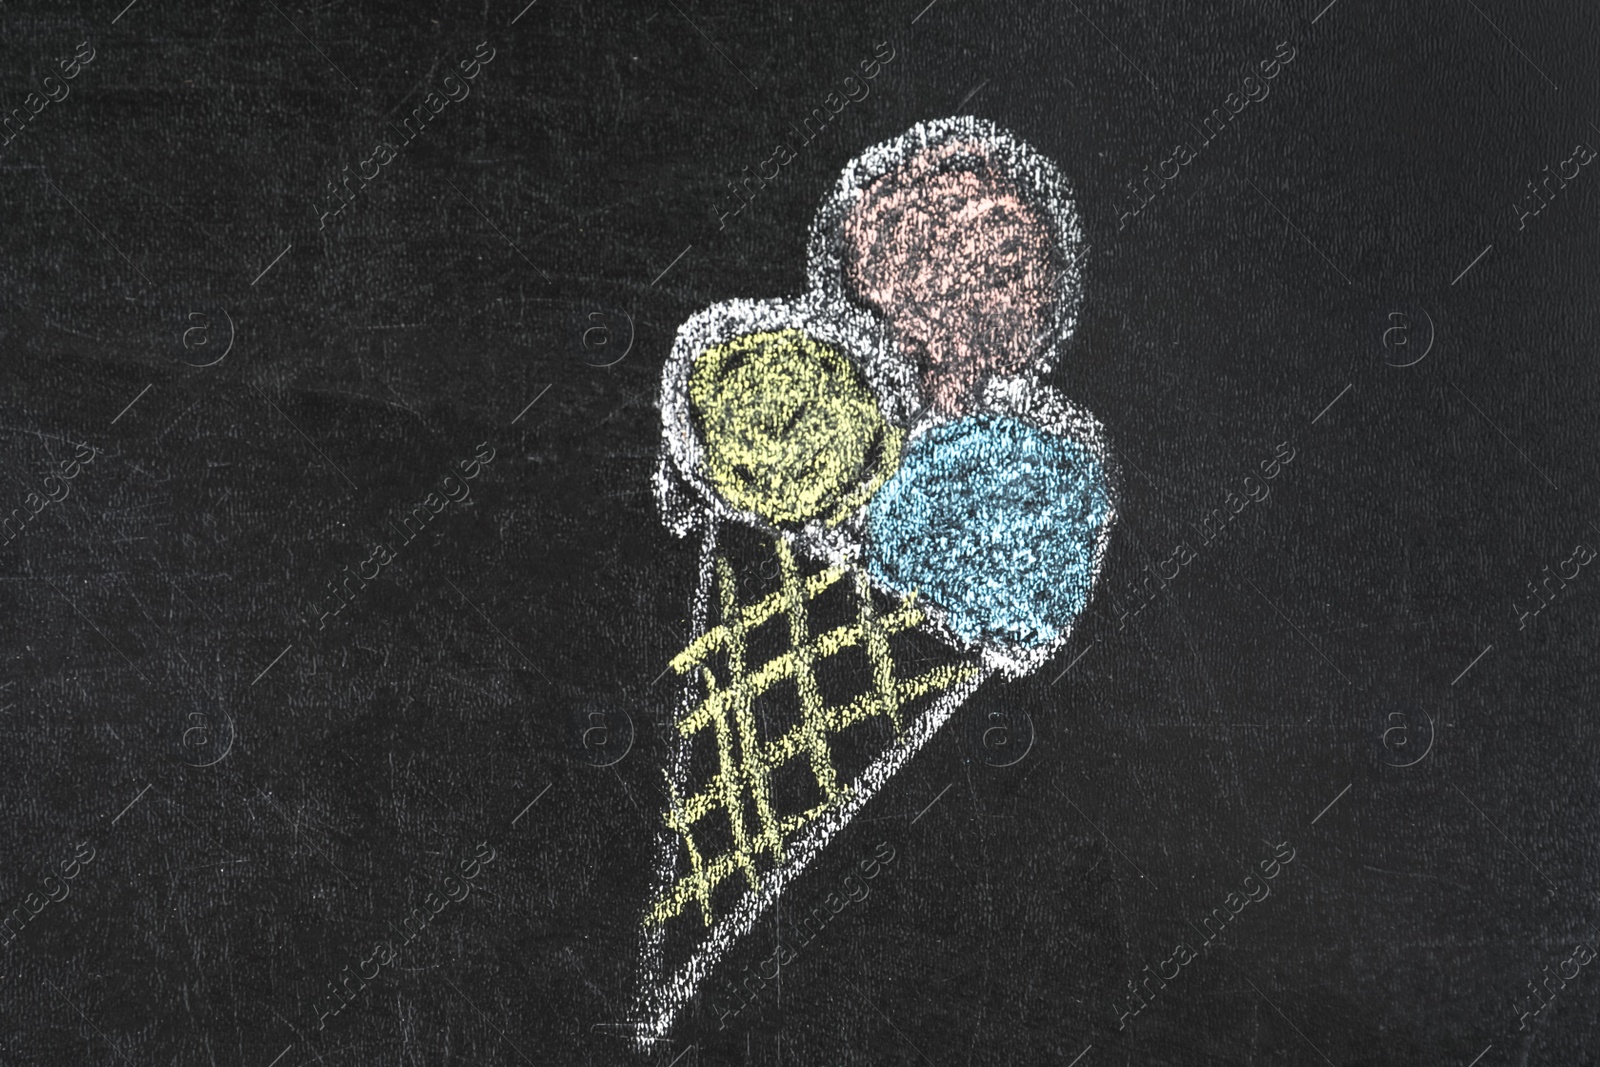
{"points": [[338, 697]]}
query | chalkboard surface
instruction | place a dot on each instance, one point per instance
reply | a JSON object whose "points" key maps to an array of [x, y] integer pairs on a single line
{"points": [[352, 630]]}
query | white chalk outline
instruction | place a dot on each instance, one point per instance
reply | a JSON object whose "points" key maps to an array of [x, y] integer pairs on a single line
{"points": [[689, 504]]}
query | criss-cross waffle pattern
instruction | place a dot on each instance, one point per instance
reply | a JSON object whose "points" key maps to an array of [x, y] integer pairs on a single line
{"points": [[741, 790]]}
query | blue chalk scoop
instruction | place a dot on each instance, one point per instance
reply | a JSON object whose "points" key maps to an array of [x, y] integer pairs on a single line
{"points": [[994, 521]]}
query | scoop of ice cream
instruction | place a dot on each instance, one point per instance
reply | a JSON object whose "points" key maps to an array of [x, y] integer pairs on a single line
{"points": [[791, 429], [951, 252], [997, 523]]}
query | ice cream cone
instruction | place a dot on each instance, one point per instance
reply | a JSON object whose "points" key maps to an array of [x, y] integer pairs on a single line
{"points": [[891, 507], [774, 754]]}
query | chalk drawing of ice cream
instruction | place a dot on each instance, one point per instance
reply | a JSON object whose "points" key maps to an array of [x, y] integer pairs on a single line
{"points": [[876, 472]]}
